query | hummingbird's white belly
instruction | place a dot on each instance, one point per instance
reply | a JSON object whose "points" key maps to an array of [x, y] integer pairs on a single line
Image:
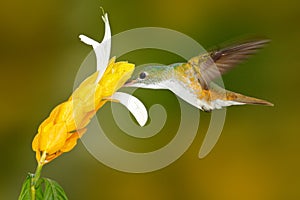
{"points": [[186, 94], [191, 97]]}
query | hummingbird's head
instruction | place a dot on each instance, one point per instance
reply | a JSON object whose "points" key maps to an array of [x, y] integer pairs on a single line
{"points": [[149, 77]]}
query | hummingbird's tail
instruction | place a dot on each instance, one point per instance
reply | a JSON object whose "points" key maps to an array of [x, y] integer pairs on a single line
{"points": [[232, 96]]}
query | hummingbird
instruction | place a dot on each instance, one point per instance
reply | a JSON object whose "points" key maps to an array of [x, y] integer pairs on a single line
{"points": [[192, 81]]}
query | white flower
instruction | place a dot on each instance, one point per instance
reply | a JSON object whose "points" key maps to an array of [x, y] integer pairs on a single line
{"points": [[102, 51]]}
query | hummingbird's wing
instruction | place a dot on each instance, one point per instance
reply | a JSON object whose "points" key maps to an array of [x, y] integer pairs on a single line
{"points": [[216, 62]]}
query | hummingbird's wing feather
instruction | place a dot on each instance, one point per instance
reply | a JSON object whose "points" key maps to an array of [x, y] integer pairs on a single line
{"points": [[216, 62]]}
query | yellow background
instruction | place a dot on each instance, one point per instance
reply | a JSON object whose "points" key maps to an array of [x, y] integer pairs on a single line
{"points": [[257, 156]]}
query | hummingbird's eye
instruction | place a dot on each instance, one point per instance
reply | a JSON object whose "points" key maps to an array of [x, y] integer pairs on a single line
{"points": [[142, 75]]}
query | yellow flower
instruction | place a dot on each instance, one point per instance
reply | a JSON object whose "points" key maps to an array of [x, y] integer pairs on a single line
{"points": [[67, 122]]}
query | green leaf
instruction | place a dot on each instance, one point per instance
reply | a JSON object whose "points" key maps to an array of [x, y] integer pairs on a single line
{"points": [[25, 192], [39, 190], [53, 191], [45, 189]]}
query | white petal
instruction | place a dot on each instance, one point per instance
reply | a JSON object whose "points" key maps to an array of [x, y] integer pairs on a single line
{"points": [[89, 41], [134, 105], [107, 33], [102, 50]]}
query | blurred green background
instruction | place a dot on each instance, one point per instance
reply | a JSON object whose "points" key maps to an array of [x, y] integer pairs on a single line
{"points": [[257, 156]]}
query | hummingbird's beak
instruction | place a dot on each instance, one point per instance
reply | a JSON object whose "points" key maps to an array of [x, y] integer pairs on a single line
{"points": [[129, 83]]}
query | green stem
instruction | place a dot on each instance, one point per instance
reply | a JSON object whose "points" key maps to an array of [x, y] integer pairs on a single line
{"points": [[37, 175]]}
